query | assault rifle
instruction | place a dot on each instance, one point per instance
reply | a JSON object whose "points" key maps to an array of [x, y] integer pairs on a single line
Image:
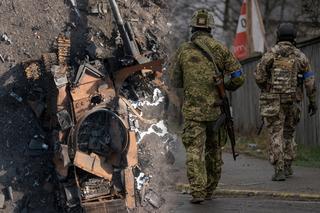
{"points": [[225, 109], [261, 127]]}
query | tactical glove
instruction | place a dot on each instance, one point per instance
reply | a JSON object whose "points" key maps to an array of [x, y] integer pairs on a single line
{"points": [[312, 109]]}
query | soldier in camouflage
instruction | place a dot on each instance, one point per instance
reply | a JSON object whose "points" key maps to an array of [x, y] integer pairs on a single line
{"points": [[281, 74], [194, 71]]}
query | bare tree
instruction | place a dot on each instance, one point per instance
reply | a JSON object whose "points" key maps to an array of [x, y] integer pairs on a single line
{"points": [[305, 14], [312, 9]]}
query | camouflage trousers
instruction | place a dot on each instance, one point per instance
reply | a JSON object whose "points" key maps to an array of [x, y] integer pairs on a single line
{"points": [[203, 157], [281, 128]]}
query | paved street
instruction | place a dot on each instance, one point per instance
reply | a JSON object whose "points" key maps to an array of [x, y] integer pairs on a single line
{"points": [[248, 173], [255, 174], [245, 205]]}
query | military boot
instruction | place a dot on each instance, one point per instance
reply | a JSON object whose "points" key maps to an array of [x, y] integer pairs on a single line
{"points": [[196, 200], [209, 197], [279, 175], [288, 169]]}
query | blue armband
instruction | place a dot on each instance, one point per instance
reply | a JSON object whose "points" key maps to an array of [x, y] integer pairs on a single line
{"points": [[237, 74], [308, 75]]}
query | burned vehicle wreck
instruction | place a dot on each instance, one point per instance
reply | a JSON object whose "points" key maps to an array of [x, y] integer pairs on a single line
{"points": [[86, 117]]}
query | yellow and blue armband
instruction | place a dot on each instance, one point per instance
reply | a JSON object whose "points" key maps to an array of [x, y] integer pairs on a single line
{"points": [[236, 80]]}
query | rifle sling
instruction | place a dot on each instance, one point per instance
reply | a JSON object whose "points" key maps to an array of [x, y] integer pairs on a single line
{"points": [[208, 54]]}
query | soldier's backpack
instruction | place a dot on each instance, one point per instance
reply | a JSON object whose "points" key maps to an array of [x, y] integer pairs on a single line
{"points": [[284, 74]]}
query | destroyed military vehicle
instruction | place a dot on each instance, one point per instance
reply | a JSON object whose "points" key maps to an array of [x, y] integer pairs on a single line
{"points": [[87, 123]]}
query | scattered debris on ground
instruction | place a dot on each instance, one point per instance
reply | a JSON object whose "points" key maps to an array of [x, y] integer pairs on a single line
{"points": [[26, 167]]}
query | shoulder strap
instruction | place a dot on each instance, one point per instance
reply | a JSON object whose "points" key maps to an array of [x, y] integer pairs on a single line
{"points": [[207, 53]]}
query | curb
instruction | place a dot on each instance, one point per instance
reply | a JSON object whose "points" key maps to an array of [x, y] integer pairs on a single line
{"points": [[268, 194], [280, 195]]}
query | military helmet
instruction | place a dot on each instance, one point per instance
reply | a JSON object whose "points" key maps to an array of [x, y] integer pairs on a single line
{"points": [[202, 19], [286, 32]]}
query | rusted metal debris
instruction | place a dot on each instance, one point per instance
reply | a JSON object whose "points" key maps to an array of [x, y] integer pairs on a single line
{"points": [[88, 122], [95, 187], [93, 164], [137, 113], [154, 199], [131, 201], [115, 205], [64, 119], [59, 75], [123, 74]]}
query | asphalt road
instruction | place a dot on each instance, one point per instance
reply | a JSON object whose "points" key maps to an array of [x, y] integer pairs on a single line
{"points": [[245, 205], [248, 173]]}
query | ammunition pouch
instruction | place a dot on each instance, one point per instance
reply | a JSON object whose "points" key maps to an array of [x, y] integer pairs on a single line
{"points": [[288, 98], [269, 104], [284, 76]]}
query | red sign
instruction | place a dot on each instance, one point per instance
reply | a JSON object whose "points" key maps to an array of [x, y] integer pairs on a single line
{"points": [[240, 44]]}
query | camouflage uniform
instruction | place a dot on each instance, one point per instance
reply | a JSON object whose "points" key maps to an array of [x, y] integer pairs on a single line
{"points": [[193, 71], [281, 94]]}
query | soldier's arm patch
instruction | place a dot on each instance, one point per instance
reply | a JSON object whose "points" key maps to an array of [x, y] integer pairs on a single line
{"points": [[308, 74]]}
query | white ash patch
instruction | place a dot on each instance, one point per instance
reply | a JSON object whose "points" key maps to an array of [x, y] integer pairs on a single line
{"points": [[159, 129], [155, 143], [141, 180], [157, 99]]}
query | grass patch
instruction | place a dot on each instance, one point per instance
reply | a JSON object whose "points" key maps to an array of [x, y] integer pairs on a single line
{"points": [[308, 156], [257, 146]]}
